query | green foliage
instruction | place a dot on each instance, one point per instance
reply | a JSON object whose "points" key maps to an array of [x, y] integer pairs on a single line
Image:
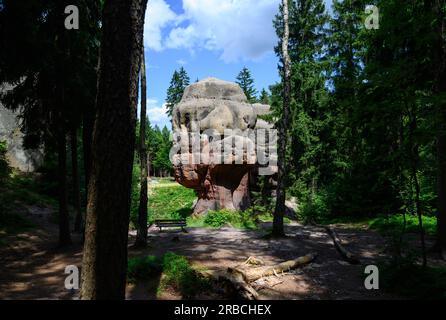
{"points": [[394, 224], [180, 80], [135, 190], [4, 167], [169, 200], [175, 271], [159, 152], [237, 219], [12, 224], [158, 147], [246, 82], [315, 207], [179, 274], [411, 280], [143, 268], [264, 97]]}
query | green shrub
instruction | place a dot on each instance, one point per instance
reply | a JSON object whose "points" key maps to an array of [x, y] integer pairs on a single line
{"points": [[12, 224], [179, 274], [176, 270], [394, 224], [134, 204], [238, 219], [315, 207], [4, 167], [142, 268], [408, 279]]}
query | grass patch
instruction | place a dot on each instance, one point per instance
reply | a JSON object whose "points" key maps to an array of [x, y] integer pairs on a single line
{"points": [[176, 272], [169, 200], [394, 224], [142, 268], [25, 189], [413, 281], [12, 224]]}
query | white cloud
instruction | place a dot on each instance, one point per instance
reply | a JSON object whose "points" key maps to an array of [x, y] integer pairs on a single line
{"points": [[239, 29], [157, 114], [158, 16], [182, 62]]}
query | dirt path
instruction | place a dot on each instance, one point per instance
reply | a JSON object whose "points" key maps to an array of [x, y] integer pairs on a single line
{"points": [[31, 264], [328, 277], [32, 267]]}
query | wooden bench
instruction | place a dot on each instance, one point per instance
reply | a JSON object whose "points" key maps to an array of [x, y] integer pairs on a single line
{"points": [[171, 223]]}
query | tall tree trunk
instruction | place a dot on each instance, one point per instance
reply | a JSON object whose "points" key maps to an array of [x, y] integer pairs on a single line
{"points": [[441, 135], [441, 216], [87, 135], [282, 129], [414, 166], [104, 262], [75, 177], [141, 236], [64, 221]]}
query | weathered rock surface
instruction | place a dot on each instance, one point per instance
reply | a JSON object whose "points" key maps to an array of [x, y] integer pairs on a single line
{"points": [[214, 115], [18, 157]]}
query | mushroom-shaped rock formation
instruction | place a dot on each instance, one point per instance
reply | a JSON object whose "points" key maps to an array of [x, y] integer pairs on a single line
{"points": [[217, 143]]}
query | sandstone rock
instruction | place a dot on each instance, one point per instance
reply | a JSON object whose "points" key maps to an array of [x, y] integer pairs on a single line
{"points": [[18, 157], [215, 139]]}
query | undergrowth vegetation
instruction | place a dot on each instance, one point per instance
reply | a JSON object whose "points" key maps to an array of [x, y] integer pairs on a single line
{"points": [[409, 279], [175, 272]]}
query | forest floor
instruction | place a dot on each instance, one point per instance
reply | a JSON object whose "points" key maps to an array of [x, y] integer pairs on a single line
{"points": [[32, 267]]}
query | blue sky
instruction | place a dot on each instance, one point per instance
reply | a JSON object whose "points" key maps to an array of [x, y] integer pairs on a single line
{"points": [[209, 38]]}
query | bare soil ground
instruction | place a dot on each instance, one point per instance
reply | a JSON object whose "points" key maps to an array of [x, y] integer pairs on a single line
{"points": [[328, 277], [32, 267]]}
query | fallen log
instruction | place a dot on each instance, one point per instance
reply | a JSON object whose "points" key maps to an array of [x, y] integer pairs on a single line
{"points": [[240, 279], [347, 255], [252, 274], [337, 242], [233, 280]]}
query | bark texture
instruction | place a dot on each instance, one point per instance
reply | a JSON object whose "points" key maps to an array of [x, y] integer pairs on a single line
{"points": [[282, 128], [75, 178], [441, 135], [64, 220], [105, 251], [141, 236]]}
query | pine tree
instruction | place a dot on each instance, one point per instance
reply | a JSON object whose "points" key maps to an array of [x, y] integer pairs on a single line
{"points": [[55, 77], [180, 80], [309, 114], [282, 125], [246, 82], [264, 97]]}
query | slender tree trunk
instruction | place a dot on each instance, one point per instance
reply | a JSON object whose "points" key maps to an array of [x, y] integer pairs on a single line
{"points": [[414, 162], [141, 236], [64, 221], [87, 135], [441, 217], [75, 177], [441, 137], [282, 128], [104, 262]]}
